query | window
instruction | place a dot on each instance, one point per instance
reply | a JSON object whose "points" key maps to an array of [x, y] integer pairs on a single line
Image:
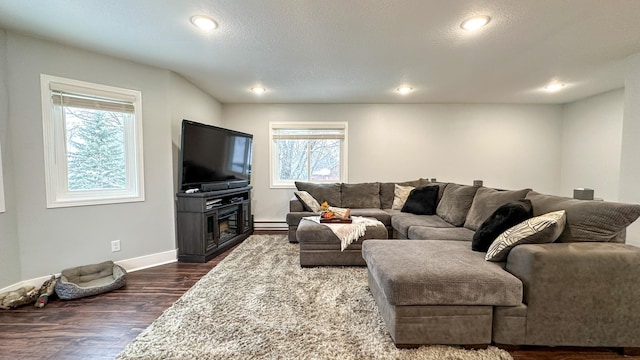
{"points": [[314, 152], [92, 143]]}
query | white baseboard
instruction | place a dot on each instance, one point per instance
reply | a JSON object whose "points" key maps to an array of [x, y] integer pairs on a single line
{"points": [[131, 265], [147, 261], [270, 225]]}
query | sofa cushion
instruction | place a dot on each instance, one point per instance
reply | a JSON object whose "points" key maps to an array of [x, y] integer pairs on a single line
{"points": [[387, 192], [365, 195], [441, 186], [432, 233], [401, 194], [541, 229], [379, 214], [322, 192], [456, 202], [309, 203], [503, 218], [587, 220], [438, 272], [401, 222], [486, 201], [422, 201], [293, 218], [295, 204]]}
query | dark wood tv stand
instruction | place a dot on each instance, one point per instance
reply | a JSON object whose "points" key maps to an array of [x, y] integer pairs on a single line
{"points": [[211, 222]]}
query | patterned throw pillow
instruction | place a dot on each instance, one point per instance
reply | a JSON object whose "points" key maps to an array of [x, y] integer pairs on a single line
{"points": [[401, 194], [538, 230], [310, 204]]}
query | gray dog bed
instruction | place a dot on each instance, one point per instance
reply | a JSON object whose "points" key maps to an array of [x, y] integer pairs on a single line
{"points": [[90, 280]]}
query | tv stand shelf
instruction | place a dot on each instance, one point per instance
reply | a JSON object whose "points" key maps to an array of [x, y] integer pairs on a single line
{"points": [[211, 222]]}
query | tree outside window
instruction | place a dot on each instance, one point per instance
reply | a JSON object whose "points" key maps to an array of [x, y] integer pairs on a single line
{"points": [[95, 149]]}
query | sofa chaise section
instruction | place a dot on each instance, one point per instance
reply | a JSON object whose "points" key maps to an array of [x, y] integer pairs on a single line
{"points": [[437, 292]]}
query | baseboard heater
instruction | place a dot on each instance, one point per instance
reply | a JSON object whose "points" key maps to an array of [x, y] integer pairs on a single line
{"points": [[269, 225]]}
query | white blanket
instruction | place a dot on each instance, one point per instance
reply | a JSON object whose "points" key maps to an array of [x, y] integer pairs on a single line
{"points": [[348, 233]]}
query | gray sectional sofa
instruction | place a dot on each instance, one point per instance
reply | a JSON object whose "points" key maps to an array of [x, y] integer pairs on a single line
{"points": [[431, 287]]}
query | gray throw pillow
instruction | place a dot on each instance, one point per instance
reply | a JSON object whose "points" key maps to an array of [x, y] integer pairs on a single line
{"points": [[361, 196], [587, 220], [541, 229], [322, 192], [487, 201], [455, 203]]}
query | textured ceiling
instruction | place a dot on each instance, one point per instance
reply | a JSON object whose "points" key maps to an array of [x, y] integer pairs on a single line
{"points": [[356, 51]]}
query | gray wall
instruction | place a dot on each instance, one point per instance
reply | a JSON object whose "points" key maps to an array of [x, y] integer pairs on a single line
{"points": [[507, 146], [592, 143], [189, 102], [9, 243], [53, 239]]}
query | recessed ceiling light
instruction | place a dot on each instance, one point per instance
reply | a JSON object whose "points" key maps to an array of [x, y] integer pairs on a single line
{"points": [[404, 90], [258, 90], [475, 23], [204, 22], [553, 87]]}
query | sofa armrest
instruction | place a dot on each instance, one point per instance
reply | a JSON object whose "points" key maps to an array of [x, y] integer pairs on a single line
{"points": [[582, 294], [295, 205]]}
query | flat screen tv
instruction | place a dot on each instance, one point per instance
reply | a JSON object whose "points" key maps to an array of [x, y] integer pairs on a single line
{"points": [[213, 158]]}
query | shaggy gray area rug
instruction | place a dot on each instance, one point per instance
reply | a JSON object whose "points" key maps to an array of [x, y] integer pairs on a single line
{"points": [[259, 304]]}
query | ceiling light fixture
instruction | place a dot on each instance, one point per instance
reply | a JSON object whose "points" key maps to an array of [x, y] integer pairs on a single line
{"points": [[258, 90], [204, 22], [475, 23], [553, 87], [404, 90]]}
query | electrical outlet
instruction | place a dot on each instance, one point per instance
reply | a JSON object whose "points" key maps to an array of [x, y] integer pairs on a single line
{"points": [[115, 245]]}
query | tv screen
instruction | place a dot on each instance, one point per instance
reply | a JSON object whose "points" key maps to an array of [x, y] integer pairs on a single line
{"points": [[211, 155]]}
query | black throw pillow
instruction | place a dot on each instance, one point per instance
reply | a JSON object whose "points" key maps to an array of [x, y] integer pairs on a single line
{"points": [[506, 216], [422, 201]]}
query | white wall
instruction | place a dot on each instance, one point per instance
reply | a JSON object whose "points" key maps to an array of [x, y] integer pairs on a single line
{"points": [[189, 102], [507, 146], [9, 244], [630, 164], [53, 239], [591, 145]]}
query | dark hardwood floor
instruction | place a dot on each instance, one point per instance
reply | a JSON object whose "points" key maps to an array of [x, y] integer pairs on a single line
{"points": [[99, 327]]}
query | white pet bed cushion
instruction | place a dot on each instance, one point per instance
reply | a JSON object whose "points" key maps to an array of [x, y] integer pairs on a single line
{"points": [[90, 280]]}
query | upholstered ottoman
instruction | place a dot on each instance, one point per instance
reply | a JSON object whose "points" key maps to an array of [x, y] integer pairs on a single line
{"points": [[437, 292], [320, 246]]}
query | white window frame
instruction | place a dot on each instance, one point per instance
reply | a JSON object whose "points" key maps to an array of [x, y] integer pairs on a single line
{"points": [[55, 160], [329, 125]]}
